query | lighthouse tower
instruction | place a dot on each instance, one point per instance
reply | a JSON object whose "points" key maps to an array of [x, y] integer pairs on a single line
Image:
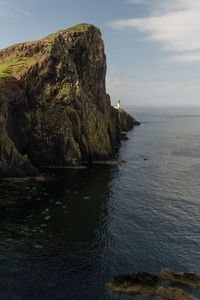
{"points": [[118, 104]]}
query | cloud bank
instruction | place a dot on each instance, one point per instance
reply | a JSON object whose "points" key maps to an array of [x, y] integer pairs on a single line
{"points": [[136, 92], [173, 24]]}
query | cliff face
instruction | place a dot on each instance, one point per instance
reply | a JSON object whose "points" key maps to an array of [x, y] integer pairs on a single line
{"points": [[54, 109]]}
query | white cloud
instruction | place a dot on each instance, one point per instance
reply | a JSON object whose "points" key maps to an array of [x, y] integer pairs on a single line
{"points": [[176, 31], [174, 24], [185, 58]]}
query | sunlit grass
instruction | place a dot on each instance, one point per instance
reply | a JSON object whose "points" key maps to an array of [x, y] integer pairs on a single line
{"points": [[15, 67]]}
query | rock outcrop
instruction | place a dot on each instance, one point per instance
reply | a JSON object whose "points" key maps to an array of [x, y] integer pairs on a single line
{"points": [[149, 284], [189, 279], [126, 121], [54, 109]]}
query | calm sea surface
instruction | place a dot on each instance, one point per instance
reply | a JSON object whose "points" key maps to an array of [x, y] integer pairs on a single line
{"points": [[81, 227]]}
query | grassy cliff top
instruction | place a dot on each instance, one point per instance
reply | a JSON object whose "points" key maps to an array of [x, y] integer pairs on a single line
{"points": [[50, 38], [77, 28], [16, 59]]}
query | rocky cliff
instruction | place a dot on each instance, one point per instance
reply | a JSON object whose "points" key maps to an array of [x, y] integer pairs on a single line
{"points": [[54, 109]]}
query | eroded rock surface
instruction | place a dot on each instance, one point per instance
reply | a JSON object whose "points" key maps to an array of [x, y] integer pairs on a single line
{"points": [[54, 109]]}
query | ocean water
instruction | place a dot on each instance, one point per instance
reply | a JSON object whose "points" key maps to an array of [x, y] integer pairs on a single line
{"points": [[81, 227]]}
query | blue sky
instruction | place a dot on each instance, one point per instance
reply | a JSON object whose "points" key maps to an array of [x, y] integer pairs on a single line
{"points": [[152, 46]]}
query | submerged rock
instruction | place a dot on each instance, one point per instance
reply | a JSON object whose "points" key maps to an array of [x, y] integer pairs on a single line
{"points": [[152, 284], [54, 109], [123, 161]]}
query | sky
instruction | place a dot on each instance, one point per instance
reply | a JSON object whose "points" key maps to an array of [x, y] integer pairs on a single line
{"points": [[152, 46]]}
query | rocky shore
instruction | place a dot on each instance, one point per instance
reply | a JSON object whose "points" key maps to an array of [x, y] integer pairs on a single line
{"points": [[54, 109], [153, 284]]}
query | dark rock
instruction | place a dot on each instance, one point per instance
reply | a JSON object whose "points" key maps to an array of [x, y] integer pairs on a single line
{"points": [[189, 279], [124, 135], [54, 110], [127, 122], [19, 172]]}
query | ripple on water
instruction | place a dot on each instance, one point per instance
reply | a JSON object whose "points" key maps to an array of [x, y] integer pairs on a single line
{"points": [[69, 235]]}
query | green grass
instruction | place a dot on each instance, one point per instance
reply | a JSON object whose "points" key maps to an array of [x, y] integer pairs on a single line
{"points": [[79, 28], [13, 66], [16, 67], [50, 38], [4, 70]]}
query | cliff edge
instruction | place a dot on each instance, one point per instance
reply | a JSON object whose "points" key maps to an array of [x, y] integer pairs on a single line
{"points": [[54, 109]]}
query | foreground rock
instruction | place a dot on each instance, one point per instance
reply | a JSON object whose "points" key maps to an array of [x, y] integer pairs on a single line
{"points": [[54, 109], [188, 279], [149, 284]]}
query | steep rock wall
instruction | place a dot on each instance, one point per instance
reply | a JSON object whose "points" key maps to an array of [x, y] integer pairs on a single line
{"points": [[54, 109]]}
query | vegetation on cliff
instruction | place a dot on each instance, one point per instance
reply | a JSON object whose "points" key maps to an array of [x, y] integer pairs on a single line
{"points": [[53, 104]]}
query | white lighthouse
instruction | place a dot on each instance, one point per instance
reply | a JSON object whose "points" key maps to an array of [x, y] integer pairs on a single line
{"points": [[118, 104]]}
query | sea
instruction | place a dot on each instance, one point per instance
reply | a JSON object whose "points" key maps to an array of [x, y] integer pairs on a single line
{"points": [[66, 237]]}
